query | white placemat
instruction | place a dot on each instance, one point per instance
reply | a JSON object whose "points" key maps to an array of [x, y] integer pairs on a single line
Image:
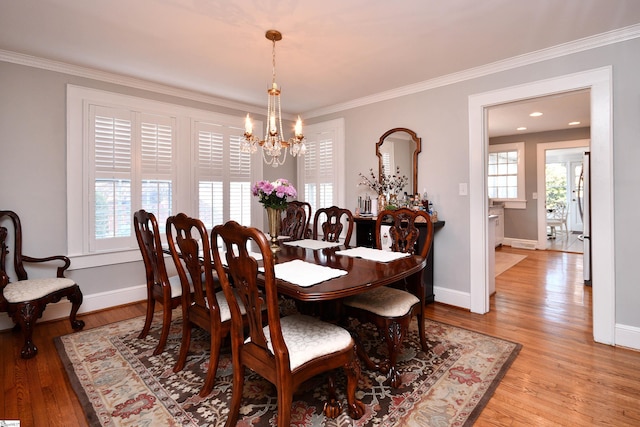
{"points": [[312, 244], [372, 254], [304, 273]]}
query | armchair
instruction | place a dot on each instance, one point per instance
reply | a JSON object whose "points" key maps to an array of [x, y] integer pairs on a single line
{"points": [[26, 299]]}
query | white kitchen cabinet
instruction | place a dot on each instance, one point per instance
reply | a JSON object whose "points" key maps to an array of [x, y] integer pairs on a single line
{"points": [[499, 212]]}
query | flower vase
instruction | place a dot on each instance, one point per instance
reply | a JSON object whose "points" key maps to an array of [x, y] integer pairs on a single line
{"points": [[382, 202], [275, 217]]}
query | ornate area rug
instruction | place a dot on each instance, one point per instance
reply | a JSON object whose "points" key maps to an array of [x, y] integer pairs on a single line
{"points": [[120, 383]]}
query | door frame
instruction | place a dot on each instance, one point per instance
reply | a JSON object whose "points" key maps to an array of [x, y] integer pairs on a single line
{"points": [[541, 150], [599, 81]]}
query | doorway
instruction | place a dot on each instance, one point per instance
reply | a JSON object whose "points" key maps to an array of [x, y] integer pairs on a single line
{"points": [[567, 155], [599, 82]]}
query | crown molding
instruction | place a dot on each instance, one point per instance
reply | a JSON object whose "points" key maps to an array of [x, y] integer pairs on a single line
{"points": [[119, 79], [580, 45]]}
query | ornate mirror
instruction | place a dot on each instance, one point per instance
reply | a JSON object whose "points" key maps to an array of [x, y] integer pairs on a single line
{"points": [[399, 147]]}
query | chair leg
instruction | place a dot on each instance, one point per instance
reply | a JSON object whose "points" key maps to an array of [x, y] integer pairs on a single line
{"points": [[422, 332], [331, 407], [236, 394], [76, 300], [25, 318], [166, 325], [214, 358], [184, 345], [285, 401], [151, 305], [356, 407], [394, 333]]}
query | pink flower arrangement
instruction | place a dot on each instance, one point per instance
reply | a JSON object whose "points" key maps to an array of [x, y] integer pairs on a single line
{"points": [[274, 194]]}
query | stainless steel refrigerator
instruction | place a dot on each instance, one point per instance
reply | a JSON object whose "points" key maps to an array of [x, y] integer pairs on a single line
{"points": [[584, 205]]}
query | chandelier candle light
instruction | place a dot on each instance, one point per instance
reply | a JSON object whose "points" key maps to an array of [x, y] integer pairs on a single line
{"points": [[273, 145], [273, 195]]}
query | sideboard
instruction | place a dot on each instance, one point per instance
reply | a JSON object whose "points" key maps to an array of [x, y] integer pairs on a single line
{"points": [[366, 235]]}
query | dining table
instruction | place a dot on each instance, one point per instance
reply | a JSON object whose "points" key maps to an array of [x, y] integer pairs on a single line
{"points": [[363, 269]]}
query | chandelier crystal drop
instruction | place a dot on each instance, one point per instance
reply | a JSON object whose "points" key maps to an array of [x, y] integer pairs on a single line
{"points": [[274, 147]]}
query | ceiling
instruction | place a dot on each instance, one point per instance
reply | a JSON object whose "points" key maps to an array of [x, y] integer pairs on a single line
{"points": [[332, 51]]}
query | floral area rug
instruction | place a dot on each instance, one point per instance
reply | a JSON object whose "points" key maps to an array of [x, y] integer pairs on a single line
{"points": [[120, 383]]}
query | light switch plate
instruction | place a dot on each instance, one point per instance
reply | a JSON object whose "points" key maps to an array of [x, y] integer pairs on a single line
{"points": [[462, 189]]}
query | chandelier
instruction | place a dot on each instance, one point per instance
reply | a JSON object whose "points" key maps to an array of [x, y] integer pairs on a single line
{"points": [[274, 147]]}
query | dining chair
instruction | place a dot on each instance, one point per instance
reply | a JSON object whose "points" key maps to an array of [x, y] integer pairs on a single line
{"points": [[204, 308], [294, 221], [557, 218], [307, 208], [329, 222], [160, 287], [391, 307], [288, 350], [24, 299]]}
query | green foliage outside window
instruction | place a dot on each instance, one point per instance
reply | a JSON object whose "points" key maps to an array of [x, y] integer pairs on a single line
{"points": [[556, 177]]}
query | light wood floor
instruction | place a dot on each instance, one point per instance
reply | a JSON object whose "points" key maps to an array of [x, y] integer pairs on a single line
{"points": [[561, 377]]}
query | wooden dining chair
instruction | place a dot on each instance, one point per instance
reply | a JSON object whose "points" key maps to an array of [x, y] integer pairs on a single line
{"points": [[26, 299], [294, 221], [328, 224], [160, 287], [288, 350], [204, 308], [308, 233], [391, 307]]}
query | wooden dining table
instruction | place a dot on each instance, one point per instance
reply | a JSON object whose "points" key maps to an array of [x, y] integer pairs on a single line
{"points": [[362, 274]]}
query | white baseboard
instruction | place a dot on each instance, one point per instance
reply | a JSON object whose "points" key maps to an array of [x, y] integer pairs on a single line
{"points": [[92, 302], [451, 297], [522, 243], [627, 336]]}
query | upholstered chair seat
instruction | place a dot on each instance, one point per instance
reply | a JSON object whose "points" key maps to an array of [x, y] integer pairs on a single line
{"points": [[308, 338], [26, 290], [384, 301]]}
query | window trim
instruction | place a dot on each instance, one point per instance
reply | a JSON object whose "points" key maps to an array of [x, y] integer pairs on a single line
{"points": [[78, 192], [520, 202]]}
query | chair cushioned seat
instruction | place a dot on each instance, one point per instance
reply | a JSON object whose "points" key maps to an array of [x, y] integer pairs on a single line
{"points": [[176, 286], [308, 338], [384, 301], [225, 311], [28, 290]]}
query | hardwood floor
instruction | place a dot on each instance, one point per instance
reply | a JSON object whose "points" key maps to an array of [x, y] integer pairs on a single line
{"points": [[561, 377]]}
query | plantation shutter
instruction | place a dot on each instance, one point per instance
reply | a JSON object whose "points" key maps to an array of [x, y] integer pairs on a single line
{"points": [[223, 175], [210, 174], [111, 148], [157, 140], [319, 173], [240, 183]]}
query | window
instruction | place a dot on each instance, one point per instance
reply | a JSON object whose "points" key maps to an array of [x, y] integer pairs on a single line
{"points": [[119, 139], [505, 174], [127, 153], [222, 170], [321, 169]]}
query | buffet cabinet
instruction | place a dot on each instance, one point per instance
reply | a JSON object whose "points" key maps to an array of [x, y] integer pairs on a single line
{"points": [[366, 235]]}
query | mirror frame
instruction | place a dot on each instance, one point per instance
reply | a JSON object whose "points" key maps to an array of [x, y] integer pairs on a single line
{"points": [[418, 142]]}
